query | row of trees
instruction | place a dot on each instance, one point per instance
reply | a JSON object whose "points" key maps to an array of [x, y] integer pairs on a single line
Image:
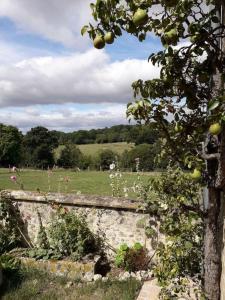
{"points": [[119, 133], [36, 149], [71, 157]]}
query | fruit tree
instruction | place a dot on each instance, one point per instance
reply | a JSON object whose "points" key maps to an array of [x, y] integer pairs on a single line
{"points": [[190, 92]]}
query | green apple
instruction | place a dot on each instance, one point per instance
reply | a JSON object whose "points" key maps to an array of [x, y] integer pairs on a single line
{"points": [[194, 38], [171, 36], [196, 175], [178, 127], [215, 129], [109, 37], [140, 17], [99, 42]]}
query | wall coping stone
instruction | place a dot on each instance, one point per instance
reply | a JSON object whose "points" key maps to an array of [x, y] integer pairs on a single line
{"points": [[70, 269], [103, 202]]}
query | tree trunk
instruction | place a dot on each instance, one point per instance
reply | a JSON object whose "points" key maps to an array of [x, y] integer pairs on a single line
{"points": [[212, 245], [214, 222]]}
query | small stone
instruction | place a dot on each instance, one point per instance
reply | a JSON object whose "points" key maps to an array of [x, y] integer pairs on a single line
{"points": [[96, 258], [97, 277], [87, 257], [132, 274], [138, 275], [104, 279], [69, 284], [150, 274], [88, 277], [143, 274], [126, 275]]}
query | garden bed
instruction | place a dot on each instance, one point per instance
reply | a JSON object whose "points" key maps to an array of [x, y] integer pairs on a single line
{"points": [[35, 284]]}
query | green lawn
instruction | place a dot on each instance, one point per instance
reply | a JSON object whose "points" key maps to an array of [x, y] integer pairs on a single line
{"points": [[86, 182], [37, 285]]}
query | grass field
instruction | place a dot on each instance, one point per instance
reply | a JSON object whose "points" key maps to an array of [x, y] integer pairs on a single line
{"points": [[85, 182], [92, 149]]}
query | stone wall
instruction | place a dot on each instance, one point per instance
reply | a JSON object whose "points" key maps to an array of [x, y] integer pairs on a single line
{"points": [[119, 219]]}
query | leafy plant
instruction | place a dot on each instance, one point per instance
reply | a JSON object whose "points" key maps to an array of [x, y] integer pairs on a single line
{"points": [[69, 235], [132, 258], [42, 239], [11, 270], [11, 225], [9, 263], [39, 253], [178, 210]]}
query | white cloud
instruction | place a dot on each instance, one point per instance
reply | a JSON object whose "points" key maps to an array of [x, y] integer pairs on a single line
{"points": [[79, 78], [65, 118], [31, 76], [57, 20]]}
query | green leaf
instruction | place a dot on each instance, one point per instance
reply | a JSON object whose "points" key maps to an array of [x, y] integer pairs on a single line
{"points": [[84, 29], [213, 104], [137, 246]]}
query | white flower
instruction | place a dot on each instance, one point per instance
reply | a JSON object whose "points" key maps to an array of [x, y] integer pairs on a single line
{"points": [[112, 166], [197, 239], [169, 243], [164, 205], [111, 176], [14, 169]]}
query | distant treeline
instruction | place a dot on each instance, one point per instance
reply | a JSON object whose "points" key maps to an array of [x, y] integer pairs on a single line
{"points": [[36, 148], [120, 133]]}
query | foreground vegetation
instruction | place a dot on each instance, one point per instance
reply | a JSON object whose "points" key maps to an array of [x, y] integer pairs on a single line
{"points": [[34, 284], [171, 199], [85, 182]]}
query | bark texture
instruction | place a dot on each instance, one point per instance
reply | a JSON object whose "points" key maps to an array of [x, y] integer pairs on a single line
{"points": [[212, 247], [214, 222]]}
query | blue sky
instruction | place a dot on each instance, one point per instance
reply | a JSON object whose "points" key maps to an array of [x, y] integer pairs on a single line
{"points": [[51, 76]]}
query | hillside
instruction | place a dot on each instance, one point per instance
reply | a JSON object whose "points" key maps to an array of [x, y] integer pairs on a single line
{"points": [[93, 149]]}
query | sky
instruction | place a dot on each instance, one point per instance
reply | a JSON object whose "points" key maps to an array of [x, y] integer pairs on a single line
{"points": [[52, 76]]}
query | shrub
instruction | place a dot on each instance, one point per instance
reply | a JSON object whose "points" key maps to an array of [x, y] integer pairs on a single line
{"points": [[11, 225], [9, 263], [70, 157], [145, 152], [105, 158], [132, 258], [70, 235], [178, 210]]}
